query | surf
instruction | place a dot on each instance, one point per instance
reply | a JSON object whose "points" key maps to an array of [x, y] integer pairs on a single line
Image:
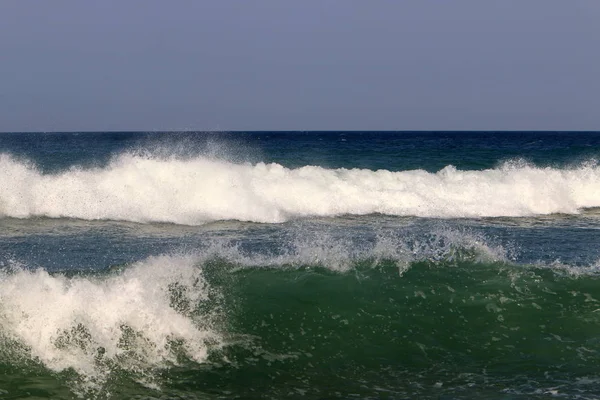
{"points": [[453, 298], [195, 190], [134, 320]]}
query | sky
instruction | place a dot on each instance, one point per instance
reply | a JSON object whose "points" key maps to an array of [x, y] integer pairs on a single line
{"points": [[70, 65]]}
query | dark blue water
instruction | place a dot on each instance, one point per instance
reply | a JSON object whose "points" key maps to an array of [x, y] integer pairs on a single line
{"points": [[299, 265], [394, 151]]}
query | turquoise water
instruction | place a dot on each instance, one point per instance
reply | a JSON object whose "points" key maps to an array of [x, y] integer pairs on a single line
{"points": [[299, 265]]}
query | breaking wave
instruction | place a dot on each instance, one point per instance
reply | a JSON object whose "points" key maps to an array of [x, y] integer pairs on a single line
{"points": [[191, 191], [136, 320], [214, 306]]}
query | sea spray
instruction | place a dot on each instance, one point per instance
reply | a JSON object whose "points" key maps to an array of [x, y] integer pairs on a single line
{"points": [[196, 190], [136, 320], [293, 312]]}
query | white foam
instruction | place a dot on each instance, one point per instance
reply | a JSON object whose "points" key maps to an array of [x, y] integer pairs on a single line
{"points": [[92, 325], [342, 254], [129, 320], [196, 190]]}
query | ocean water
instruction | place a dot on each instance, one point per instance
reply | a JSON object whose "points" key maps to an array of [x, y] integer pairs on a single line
{"points": [[312, 265]]}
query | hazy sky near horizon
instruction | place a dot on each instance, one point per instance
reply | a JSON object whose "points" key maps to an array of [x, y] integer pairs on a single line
{"points": [[68, 65]]}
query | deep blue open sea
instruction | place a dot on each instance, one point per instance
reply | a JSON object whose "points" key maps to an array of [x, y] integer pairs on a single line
{"points": [[308, 265]]}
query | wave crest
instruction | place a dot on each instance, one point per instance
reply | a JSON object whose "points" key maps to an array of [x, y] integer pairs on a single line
{"points": [[139, 319], [197, 190]]}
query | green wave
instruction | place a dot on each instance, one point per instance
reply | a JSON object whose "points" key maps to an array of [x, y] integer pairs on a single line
{"points": [[456, 327]]}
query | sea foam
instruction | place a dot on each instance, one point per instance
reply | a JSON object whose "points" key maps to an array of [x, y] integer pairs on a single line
{"points": [[147, 316], [200, 189], [135, 320]]}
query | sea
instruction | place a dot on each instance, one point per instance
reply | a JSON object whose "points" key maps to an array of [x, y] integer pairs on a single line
{"points": [[300, 265]]}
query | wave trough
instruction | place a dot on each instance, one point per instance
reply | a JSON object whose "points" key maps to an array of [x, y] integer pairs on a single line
{"points": [[193, 191]]}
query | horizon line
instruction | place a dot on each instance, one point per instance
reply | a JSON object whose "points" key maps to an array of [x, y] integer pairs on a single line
{"points": [[315, 131]]}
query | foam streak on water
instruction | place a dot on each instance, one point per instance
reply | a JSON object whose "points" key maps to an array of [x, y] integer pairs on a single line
{"points": [[195, 190]]}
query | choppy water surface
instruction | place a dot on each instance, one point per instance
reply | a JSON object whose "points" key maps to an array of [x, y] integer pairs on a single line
{"points": [[299, 265]]}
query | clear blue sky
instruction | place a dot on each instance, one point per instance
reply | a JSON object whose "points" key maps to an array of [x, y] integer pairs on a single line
{"points": [[299, 65]]}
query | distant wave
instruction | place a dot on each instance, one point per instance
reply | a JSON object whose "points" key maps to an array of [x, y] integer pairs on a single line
{"points": [[196, 190]]}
